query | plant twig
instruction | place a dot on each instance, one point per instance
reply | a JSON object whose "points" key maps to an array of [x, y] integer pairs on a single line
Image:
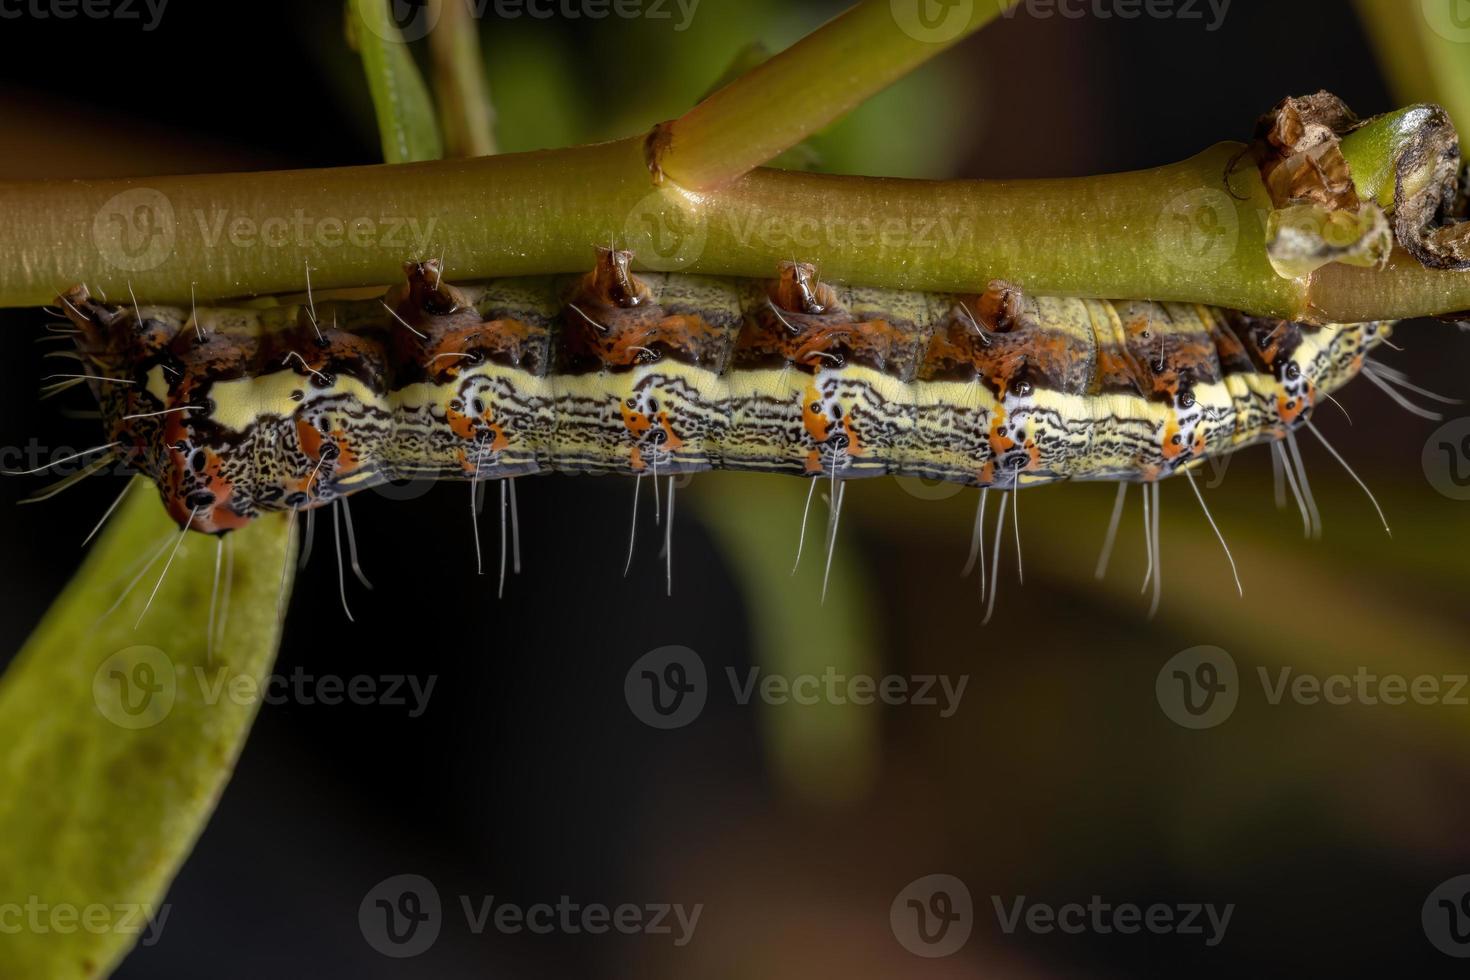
{"points": [[808, 86], [466, 112], [524, 214]]}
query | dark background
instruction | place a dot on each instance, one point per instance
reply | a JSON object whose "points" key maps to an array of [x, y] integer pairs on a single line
{"points": [[528, 777]]}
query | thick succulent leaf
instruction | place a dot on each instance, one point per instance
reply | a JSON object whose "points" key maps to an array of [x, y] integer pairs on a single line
{"points": [[116, 741]]}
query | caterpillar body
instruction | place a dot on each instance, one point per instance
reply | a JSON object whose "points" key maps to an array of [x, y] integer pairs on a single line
{"points": [[235, 412]]}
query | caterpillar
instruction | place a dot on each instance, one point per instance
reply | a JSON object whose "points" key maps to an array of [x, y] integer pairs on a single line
{"points": [[237, 412]]}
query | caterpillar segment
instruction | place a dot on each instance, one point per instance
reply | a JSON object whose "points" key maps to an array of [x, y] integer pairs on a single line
{"points": [[235, 412]]}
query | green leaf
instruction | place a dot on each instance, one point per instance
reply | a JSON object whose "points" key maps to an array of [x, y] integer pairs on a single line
{"points": [[406, 117], [116, 742]]}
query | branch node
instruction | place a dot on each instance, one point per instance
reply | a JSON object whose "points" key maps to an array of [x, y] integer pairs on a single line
{"points": [[655, 146]]}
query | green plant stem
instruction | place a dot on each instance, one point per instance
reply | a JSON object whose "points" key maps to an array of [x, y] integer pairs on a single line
{"points": [[1343, 294], [810, 85], [1169, 233], [466, 113]]}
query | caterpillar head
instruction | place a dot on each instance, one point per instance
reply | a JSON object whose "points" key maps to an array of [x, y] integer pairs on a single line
{"points": [[131, 360], [197, 489], [247, 413]]}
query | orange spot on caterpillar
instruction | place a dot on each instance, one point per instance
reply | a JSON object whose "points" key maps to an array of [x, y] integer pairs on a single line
{"points": [[813, 419], [461, 424], [311, 439], [636, 422]]}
